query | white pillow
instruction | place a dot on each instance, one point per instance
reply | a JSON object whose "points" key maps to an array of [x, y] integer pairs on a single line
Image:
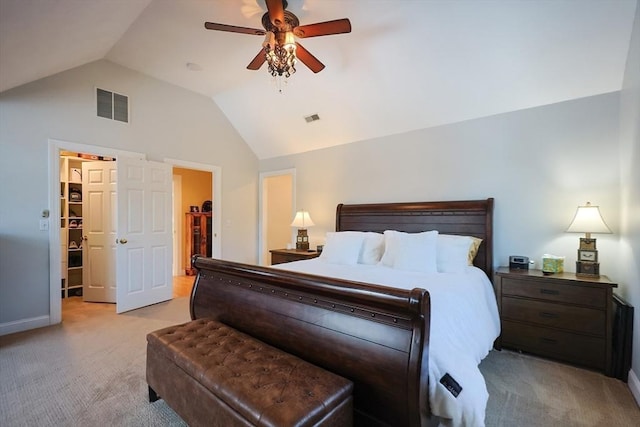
{"points": [[391, 245], [453, 253], [410, 251], [342, 247], [372, 248]]}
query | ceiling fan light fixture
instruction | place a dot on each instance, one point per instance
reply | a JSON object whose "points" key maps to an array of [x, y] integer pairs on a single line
{"points": [[269, 40], [289, 40], [280, 53]]}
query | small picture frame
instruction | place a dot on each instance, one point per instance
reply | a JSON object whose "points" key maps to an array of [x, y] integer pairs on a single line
{"points": [[194, 209], [587, 255]]}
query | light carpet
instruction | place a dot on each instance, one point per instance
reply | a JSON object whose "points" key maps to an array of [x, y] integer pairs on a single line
{"points": [[90, 370], [529, 391]]}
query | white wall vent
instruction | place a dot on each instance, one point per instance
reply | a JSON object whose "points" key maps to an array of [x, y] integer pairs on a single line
{"points": [[312, 118], [111, 105]]}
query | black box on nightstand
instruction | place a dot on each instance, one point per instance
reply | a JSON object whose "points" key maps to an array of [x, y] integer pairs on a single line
{"points": [[518, 262]]}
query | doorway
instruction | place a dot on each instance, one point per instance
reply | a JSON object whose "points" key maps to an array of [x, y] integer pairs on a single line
{"points": [[192, 204], [214, 175], [87, 232], [115, 222], [56, 147], [277, 209]]}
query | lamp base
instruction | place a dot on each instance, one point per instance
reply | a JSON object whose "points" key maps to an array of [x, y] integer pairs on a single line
{"points": [[302, 240], [587, 244], [587, 269]]}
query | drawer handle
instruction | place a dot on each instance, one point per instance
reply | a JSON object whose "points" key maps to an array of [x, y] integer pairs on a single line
{"points": [[548, 315], [549, 291], [548, 341]]}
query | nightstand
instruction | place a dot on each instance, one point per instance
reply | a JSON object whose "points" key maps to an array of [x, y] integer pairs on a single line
{"points": [[560, 316], [279, 256]]}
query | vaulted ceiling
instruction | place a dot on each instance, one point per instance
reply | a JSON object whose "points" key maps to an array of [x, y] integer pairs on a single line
{"points": [[406, 65]]}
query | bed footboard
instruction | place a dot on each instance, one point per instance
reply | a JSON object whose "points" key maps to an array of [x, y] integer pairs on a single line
{"points": [[373, 335]]}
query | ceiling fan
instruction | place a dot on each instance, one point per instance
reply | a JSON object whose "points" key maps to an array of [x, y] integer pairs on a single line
{"points": [[279, 49]]}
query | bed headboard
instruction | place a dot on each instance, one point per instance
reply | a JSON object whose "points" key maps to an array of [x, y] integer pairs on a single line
{"points": [[465, 217]]}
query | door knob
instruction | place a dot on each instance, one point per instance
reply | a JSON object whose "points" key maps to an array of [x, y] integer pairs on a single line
{"points": [[123, 241]]}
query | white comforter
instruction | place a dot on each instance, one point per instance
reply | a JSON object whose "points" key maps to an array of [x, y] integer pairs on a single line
{"points": [[464, 324]]}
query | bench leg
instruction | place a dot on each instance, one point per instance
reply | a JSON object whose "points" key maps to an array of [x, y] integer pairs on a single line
{"points": [[153, 396]]}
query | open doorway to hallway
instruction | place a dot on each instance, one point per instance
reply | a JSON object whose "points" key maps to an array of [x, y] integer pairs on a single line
{"points": [[193, 219], [277, 209], [182, 286]]}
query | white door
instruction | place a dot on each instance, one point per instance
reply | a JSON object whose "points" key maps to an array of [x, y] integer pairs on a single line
{"points": [[99, 231], [144, 249]]}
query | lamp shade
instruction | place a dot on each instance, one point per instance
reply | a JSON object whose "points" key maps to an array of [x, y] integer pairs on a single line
{"points": [[588, 220], [302, 220]]}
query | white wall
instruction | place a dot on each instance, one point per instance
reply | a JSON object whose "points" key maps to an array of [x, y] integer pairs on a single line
{"points": [[166, 122], [539, 165], [629, 266]]}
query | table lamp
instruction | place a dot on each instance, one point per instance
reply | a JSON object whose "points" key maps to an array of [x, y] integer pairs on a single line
{"points": [[302, 221], [588, 220]]}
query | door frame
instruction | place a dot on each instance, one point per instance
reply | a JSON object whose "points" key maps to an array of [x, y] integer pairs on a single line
{"points": [[176, 184], [55, 255], [262, 213], [216, 198]]}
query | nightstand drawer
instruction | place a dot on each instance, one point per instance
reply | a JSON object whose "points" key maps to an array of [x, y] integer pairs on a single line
{"points": [[581, 349], [578, 319], [580, 295], [280, 256], [281, 259]]}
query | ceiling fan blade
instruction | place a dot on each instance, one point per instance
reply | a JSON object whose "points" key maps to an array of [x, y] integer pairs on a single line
{"points": [[276, 12], [233, 29], [257, 62], [339, 26], [308, 59]]}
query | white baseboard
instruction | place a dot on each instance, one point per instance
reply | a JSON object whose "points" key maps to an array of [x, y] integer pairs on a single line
{"points": [[634, 385], [24, 325]]}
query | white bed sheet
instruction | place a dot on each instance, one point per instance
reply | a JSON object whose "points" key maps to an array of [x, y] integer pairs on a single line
{"points": [[464, 325]]}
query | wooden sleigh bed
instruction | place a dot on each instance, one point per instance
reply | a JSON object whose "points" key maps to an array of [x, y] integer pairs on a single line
{"points": [[376, 336]]}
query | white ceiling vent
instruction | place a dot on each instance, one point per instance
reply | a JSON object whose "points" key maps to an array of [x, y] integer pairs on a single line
{"points": [[111, 105], [312, 118]]}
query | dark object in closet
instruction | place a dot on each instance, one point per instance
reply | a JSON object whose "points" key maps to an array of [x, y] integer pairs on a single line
{"points": [[206, 206], [75, 195], [75, 260]]}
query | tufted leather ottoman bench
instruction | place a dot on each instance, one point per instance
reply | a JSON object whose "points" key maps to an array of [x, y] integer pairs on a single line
{"points": [[214, 375]]}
